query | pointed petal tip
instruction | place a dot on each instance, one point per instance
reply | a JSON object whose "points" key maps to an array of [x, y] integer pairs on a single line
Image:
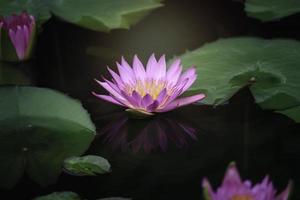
{"points": [[205, 183], [232, 175], [94, 93], [286, 193]]}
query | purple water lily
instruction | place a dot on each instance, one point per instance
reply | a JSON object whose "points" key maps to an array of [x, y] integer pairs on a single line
{"points": [[20, 29], [233, 188], [149, 90]]}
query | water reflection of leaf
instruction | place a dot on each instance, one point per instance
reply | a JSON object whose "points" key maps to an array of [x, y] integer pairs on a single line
{"points": [[146, 135]]}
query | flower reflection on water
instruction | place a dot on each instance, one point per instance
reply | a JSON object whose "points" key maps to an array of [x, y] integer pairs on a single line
{"points": [[156, 134]]}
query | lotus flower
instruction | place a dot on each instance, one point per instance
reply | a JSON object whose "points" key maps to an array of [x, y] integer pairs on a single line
{"points": [[234, 189], [20, 30], [151, 90]]}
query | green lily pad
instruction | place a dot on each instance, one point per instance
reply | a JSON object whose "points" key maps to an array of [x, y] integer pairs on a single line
{"points": [[98, 15], [89, 165], [39, 129], [59, 196], [103, 15], [267, 10], [269, 67]]}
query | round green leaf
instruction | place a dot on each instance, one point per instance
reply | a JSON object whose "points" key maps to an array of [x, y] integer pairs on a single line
{"points": [[267, 10], [103, 15], [89, 165], [39, 129], [269, 67]]}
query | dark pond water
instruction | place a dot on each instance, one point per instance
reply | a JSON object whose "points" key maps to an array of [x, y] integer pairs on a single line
{"points": [[167, 156]]}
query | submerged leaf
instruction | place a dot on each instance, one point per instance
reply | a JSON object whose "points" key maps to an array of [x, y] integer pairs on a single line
{"points": [[39, 129], [269, 67], [89, 165], [59, 196], [267, 10]]}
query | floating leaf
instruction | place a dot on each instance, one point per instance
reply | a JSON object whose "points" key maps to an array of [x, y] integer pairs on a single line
{"points": [[99, 15], [39, 129], [60, 196], [89, 165], [104, 15], [267, 10], [269, 67]]}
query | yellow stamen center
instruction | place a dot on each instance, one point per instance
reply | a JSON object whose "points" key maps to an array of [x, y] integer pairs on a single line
{"points": [[152, 87], [241, 197]]}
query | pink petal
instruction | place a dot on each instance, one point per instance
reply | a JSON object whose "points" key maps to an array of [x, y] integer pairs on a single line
{"points": [[116, 77], [191, 75], [232, 176], [18, 41], [176, 92], [110, 89], [285, 194], [153, 106], [182, 102], [146, 101], [208, 189], [26, 36], [113, 85], [162, 95], [161, 68], [137, 98], [174, 72], [131, 100], [189, 83], [138, 68], [151, 67], [126, 72], [107, 98]]}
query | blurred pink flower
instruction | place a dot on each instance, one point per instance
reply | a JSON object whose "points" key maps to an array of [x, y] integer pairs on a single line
{"points": [[20, 29], [153, 89], [233, 188]]}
